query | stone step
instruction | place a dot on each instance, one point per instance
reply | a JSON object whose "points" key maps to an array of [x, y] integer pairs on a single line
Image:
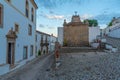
{"points": [[77, 49]]}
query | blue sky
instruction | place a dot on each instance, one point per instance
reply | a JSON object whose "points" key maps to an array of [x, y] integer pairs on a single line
{"points": [[51, 13]]}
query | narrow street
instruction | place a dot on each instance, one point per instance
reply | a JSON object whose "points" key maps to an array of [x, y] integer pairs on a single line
{"points": [[74, 66], [35, 70], [59, 40]]}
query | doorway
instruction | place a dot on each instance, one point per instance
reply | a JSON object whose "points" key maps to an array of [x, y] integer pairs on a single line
{"points": [[11, 55]]}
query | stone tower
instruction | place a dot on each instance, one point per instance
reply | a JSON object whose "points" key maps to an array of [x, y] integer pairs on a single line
{"points": [[75, 32]]}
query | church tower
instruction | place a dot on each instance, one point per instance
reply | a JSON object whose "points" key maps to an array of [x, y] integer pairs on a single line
{"points": [[75, 18], [75, 32]]}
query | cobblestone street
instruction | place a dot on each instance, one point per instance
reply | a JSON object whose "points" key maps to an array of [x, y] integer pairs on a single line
{"points": [[35, 70], [74, 66], [89, 66], [59, 40]]}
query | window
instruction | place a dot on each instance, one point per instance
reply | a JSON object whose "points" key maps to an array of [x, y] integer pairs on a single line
{"points": [[30, 30], [9, 0], [36, 49], [16, 28], [27, 9], [25, 52], [31, 50], [32, 15], [1, 15], [41, 38], [36, 38]]}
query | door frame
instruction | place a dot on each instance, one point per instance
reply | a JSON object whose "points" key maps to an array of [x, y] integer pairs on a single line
{"points": [[12, 54]]}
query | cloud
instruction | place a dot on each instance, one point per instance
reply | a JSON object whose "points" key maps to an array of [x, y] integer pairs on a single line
{"points": [[51, 4], [103, 19], [51, 27], [86, 16], [106, 18], [41, 25], [52, 16], [51, 12], [46, 3], [55, 16], [102, 26]]}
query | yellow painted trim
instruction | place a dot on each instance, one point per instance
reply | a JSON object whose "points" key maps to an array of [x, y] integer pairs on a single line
{"points": [[19, 11]]}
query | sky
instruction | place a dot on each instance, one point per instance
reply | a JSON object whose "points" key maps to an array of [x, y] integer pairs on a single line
{"points": [[51, 13]]}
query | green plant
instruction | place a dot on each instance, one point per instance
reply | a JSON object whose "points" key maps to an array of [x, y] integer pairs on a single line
{"points": [[92, 22], [39, 53], [110, 24], [65, 43]]}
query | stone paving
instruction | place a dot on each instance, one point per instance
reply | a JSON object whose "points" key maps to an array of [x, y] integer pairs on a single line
{"points": [[75, 66], [35, 70], [88, 66]]}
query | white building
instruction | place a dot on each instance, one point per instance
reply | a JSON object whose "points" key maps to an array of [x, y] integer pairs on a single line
{"points": [[60, 35], [53, 39], [45, 43], [17, 33], [114, 30], [93, 33]]}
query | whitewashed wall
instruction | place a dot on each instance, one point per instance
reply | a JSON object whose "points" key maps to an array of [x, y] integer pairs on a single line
{"points": [[38, 42], [60, 35], [51, 40], [52, 43], [93, 33], [115, 31], [15, 13]]}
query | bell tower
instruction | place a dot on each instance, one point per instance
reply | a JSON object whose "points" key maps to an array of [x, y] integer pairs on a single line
{"points": [[75, 18]]}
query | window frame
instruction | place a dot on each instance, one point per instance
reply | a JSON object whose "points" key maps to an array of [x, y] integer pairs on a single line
{"points": [[31, 50], [36, 37], [16, 30], [29, 29], [25, 56], [27, 9], [35, 49], [32, 14], [1, 15]]}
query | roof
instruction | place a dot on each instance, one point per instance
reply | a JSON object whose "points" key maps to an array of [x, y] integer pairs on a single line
{"points": [[42, 33], [45, 33], [75, 24], [34, 4]]}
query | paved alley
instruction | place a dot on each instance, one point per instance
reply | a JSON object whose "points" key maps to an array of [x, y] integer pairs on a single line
{"points": [[89, 66], [74, 66], [36, 70]]}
